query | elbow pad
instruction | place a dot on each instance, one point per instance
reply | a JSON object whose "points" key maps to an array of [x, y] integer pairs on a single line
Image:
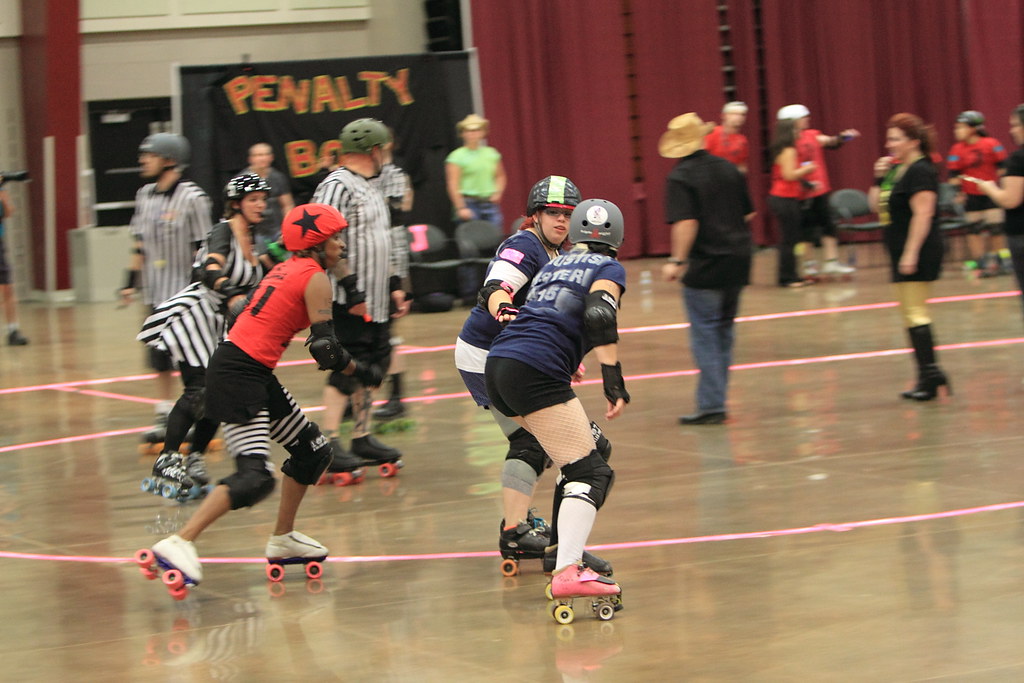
{"points": [[209, 276], [600, 318], [325, 348], [489, 288]]}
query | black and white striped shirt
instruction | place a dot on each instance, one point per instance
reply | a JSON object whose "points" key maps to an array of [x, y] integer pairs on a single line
{"points": [[393, 184], [169, 225], [368, 236]]}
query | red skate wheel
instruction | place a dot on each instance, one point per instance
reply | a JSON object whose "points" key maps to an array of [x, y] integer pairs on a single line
{"points": [[275, 572], [179, 593], [144, 557], [509, 567], [342, 478], [388, 469], [314, 570], [173, 579]]}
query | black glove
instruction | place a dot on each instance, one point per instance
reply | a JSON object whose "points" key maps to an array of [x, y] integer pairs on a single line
{"points": [[353, 296], [369, 374], [614, 387], [505, 308]]}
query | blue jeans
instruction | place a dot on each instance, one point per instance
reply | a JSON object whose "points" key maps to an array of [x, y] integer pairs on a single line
{"points": [[711, 313], [484, 210]]}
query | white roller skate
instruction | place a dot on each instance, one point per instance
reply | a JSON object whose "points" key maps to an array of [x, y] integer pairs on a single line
{"points": [[179, 560], [577, 581], [294, 548], [170, 479], [834, 269]]}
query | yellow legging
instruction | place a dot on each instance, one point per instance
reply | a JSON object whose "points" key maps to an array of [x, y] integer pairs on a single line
{"points": [[912, 297]]}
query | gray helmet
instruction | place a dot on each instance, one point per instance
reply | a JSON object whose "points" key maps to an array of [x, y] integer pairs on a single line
{"points": [[244, 184], [596, 220], [362, 135], [168, 146], [554, 190], [971, 118]]}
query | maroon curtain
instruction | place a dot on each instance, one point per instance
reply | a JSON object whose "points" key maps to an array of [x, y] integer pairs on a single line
{"points": [[584, 88]]}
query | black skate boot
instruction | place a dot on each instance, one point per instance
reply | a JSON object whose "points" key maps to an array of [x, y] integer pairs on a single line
{"points": [[195, 467], [390, 410], [599, 565], [373, 452], [521, 543], [170, 478], [345, 468]]}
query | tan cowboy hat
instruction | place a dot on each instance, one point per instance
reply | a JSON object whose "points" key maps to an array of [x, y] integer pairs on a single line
{"points": [[472, 122], [684, 136]]}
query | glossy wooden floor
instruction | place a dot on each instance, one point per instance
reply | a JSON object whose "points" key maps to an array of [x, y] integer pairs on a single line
{"points": [[747, 552]]}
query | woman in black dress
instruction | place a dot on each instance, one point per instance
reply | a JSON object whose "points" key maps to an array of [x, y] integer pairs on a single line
{"points": [[905, 195]]}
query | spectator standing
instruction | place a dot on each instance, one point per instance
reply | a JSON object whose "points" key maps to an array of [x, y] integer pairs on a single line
{"points": [[475, 175]]}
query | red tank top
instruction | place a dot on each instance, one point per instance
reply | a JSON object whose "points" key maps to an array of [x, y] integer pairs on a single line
{"points": [[276, 312], [784, 188]]}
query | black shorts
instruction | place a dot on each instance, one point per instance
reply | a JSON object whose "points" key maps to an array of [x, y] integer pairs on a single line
{"points": [[979, 202], [367, 342], [238, 387], [817, 219], [516, 388]]}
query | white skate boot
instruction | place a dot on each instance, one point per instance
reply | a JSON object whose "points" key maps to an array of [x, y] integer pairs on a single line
{"points": [[294, 548], [174, 552], [833, 268]]}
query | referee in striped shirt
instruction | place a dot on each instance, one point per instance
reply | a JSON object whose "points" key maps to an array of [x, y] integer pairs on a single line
{"points": [[172, 218], [369, 293]]}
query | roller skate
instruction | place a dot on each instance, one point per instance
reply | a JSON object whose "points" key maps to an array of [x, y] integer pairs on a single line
{"points": [[810, 272], [834, 270], [293, 548], [373, 452], [170, 479], [577, 581], [598, 564], [345, 468], [523, 542], [391, 409], [179, 560]]}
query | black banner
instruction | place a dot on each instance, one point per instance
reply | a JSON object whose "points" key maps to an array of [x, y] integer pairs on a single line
{"points": [[300, 107]]}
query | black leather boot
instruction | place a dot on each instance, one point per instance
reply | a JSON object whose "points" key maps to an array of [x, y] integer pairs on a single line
{"points": [[929, 375]]}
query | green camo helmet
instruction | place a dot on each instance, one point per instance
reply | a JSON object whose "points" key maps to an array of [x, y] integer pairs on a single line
{"points": [[362, 135]]}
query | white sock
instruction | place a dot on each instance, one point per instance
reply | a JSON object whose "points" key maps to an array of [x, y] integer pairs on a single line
{"points": [[575, 520], [11, 327]]}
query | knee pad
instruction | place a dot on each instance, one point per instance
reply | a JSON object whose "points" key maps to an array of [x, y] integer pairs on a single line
{"points": [[589, 479], [601, 442], [522, 445], [251, 482], [346, 384], [311, 455], [518, 476]]}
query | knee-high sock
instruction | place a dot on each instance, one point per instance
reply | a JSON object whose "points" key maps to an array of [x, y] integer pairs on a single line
{"points": [[575, 520]]}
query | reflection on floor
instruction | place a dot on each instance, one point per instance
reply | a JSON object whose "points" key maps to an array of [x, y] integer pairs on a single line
{"points": [[828, 531]]}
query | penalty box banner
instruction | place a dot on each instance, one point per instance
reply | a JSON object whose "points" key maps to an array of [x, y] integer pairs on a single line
{"points": [[299, 108]]}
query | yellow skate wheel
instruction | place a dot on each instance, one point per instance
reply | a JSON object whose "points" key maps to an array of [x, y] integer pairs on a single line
{"points": [[563, 614], [547, 592]]}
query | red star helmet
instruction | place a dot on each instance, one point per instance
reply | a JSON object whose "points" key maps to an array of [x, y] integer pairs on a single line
{"points": [[308, 225]]}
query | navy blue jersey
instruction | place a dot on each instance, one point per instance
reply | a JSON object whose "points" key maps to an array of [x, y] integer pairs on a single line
{"points": [[548, 332], [516, 261]]}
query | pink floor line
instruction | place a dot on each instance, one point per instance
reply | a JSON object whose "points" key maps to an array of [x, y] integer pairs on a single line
{"points": [[429, 398], [628, 330], [632, 545]]}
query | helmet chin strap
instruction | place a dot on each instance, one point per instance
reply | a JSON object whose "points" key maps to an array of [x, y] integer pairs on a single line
{"points": [[544, 239]]}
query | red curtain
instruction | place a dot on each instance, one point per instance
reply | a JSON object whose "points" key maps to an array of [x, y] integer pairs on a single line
{"points": [[585, 87]]}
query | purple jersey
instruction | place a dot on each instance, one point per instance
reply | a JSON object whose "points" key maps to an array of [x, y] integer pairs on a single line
{"points": [[548, 332], [524, 253]]}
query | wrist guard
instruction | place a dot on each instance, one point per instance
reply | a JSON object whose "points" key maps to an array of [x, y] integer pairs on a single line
{"points": [[614, 386], [353, 296], [505, 308]]}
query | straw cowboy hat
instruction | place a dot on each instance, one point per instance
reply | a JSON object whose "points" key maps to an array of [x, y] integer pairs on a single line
{"points": [[472, 122], [684, 136]]}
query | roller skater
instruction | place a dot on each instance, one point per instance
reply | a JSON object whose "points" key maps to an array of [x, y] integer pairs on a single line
{"points": [[345, 469], [571, 309], [244, 394]]}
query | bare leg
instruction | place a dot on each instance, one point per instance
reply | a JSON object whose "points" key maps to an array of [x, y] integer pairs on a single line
{"points": [[334, 406], [292, 493], [10, 305], [362, 400], [830, 247], [210, 510]]}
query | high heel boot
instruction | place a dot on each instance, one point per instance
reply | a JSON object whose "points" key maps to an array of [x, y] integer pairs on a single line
{"points": [[929, 375]]}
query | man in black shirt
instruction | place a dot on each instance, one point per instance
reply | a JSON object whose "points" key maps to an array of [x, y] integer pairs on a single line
{"points": [[708, 207]]}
